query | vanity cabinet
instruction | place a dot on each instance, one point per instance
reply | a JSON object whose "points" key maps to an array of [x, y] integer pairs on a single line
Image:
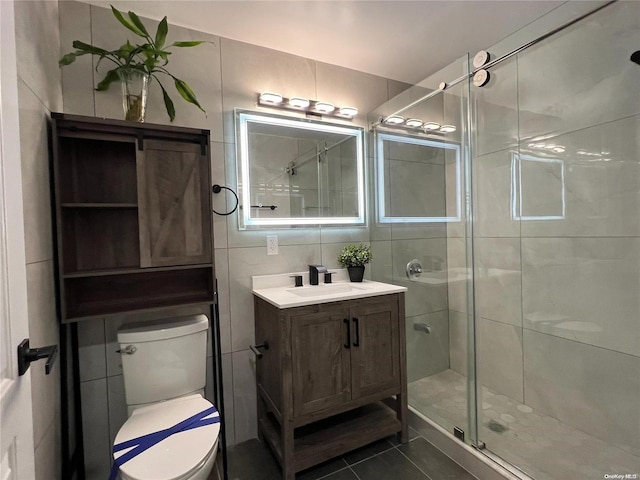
{"points": [[324, 373], [132, 216]]}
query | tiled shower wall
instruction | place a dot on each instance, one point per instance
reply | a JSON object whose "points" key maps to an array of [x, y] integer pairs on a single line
{"points": [[39, 93], [557, 286], [418, 185], [225, 74]]}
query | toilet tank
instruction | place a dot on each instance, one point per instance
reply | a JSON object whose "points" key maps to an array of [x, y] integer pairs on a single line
{"points": [[163, 359]]}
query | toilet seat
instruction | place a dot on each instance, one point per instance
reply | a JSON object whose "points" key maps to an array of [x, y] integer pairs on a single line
{"points": [[178, 456]]}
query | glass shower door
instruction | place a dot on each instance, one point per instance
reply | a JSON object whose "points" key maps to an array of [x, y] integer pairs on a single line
{"points": [[421, 233], [556, 180]]}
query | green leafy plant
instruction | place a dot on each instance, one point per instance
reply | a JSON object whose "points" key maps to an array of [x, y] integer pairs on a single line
{"points": [[353, 255], [150, 58]]}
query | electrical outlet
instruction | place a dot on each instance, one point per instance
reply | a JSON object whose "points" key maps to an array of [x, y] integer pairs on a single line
{"points": [[272, 245]]}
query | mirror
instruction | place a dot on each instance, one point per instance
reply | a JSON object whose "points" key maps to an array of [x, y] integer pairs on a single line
{"points": [[419, 179], [296, 171]]}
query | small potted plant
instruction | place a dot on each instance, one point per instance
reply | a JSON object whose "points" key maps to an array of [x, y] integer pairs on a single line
{"points": [[355, 257], [137, 65]]}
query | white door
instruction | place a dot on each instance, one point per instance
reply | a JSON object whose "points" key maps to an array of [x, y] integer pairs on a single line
{"points": [[16, 429]]}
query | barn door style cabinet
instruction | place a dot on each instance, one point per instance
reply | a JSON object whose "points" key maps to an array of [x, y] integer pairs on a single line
{"points": [[324, 373], [133, 216]]}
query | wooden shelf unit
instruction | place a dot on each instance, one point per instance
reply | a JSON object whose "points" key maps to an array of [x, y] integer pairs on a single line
{"points": [[132, 216]]}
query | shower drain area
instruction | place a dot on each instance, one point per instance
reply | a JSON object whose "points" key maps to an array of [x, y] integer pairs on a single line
{"points": [[496, 427], [540, 445]]}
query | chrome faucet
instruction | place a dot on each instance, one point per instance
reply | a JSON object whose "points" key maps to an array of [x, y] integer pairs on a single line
{"points": [[314, 270]]}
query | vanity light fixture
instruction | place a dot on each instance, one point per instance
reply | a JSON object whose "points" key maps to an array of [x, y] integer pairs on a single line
{"points": [[311, 107], [413, 123], [298, 102], [416, 124], [269, 97]]}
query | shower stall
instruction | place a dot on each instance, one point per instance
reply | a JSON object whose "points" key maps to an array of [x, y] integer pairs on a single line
{"points": [[509, 205]]}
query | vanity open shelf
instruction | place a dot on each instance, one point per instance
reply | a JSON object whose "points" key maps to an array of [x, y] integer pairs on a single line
{"points": [[331, 437], [326, 370]]}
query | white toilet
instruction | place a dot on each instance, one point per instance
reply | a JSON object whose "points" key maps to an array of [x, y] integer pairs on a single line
{"points": [[164, 366]]}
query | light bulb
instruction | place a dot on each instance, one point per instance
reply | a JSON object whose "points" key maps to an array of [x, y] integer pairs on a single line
{"points": [[447, 128], [324, 107], [270, 97], [431, 126], [413, 123], [348, 111], [394, 119], [298, 102]]}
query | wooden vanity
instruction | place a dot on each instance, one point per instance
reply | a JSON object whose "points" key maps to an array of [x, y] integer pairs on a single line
{"points": [[324, 373]]}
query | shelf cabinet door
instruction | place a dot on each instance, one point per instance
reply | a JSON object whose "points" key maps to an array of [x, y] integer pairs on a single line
{"points": [[174, 208], [320, 361], [375, 361]]}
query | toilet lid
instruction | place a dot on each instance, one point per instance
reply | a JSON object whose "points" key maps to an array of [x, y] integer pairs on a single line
{"points": [[176, 456]]}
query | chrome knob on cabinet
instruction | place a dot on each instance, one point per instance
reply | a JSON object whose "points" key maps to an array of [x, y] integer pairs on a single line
{"points": [[129, 350]]}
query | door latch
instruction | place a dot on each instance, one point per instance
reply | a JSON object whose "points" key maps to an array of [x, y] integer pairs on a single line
{"points": [[27, 355]]}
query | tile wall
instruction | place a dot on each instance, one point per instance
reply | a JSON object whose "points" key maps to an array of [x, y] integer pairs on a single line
{"points": [[415, 185], [225, 74], [39, 93]]}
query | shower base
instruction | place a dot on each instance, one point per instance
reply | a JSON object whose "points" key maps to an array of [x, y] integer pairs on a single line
{"points": [[540, 445]]}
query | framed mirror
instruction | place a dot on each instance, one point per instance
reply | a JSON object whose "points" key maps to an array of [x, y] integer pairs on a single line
{"points": [[297, 171], [418, 179]]}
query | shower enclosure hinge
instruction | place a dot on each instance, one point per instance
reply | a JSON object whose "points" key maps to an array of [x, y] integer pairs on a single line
{"points": [[458, 433]]}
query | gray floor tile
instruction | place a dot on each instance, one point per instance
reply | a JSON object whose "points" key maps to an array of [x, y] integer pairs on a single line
{"points": [[252, 460], [433, 462], [367, 451], [388, 465], [322, 470], [345, 474], [393, 439]]}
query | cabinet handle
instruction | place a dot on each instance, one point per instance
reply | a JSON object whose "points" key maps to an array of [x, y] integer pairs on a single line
{"points": [[348, 344], [356, 343]]}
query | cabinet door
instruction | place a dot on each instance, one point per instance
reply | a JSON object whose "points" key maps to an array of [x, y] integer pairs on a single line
{"points": [[173, 204], [320, 361], [375, 353]]}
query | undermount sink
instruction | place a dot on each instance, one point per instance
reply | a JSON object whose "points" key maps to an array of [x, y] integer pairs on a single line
{"points": [[325, 289]]}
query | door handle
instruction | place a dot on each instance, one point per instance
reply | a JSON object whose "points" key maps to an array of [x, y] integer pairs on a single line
{"points": [[348, 344], [356, 322], [27, 355]]}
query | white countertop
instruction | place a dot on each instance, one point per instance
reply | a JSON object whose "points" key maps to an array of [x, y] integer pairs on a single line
{"points": [[279, 290]]}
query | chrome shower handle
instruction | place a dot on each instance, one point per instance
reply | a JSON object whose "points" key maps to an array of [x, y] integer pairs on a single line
{"points": [[414, 268], [129, 350]]}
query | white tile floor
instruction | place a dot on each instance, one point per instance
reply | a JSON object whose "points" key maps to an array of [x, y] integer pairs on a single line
{"points": [[542, 446]]}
